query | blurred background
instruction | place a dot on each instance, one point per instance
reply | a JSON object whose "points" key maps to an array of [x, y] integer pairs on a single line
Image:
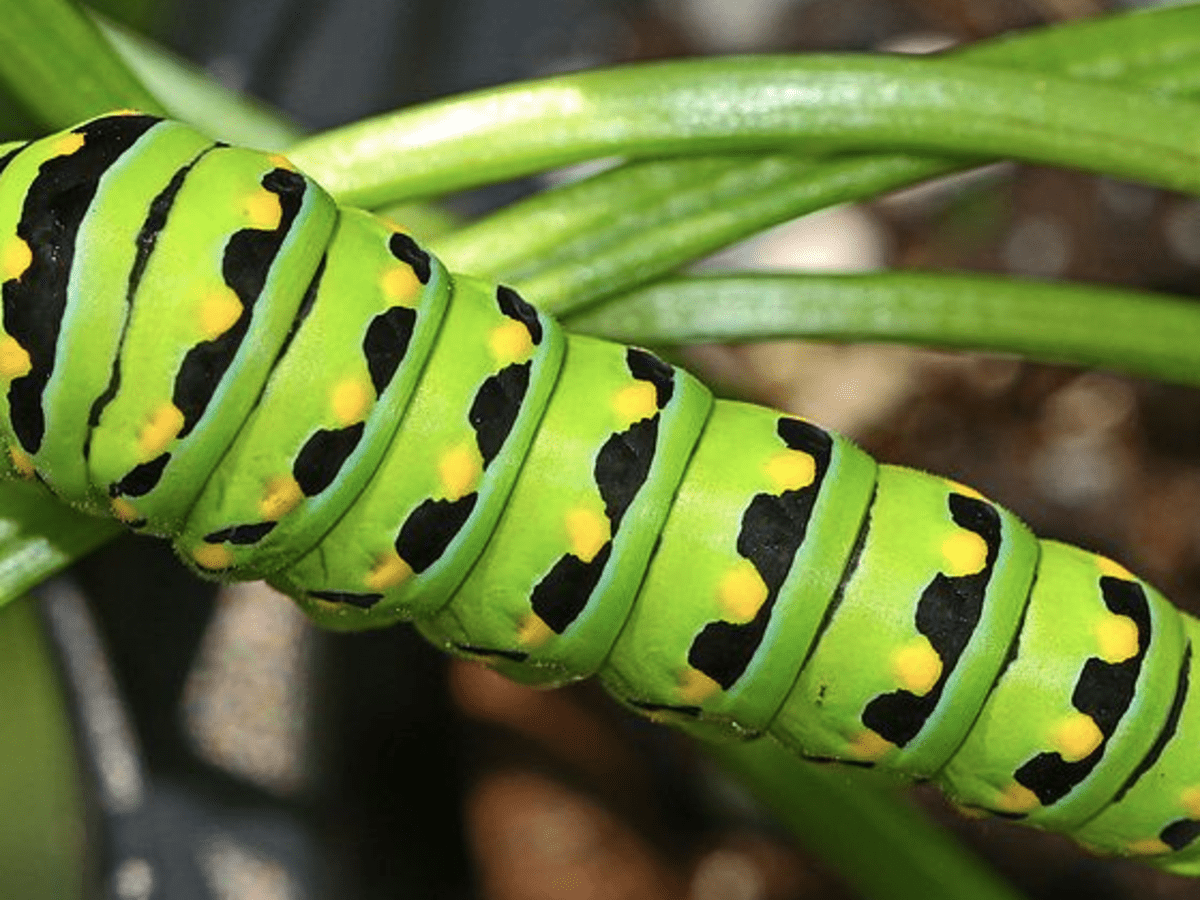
{"points": [[228, 750]]}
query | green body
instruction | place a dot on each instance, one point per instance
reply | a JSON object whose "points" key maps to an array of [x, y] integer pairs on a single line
{"points": [[196, 340]]}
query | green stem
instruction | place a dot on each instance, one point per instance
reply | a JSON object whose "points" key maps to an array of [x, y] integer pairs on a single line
{"points": [[1132, 48], [1144, 334], [573, 221], [879, 843], [748, 198], [567, 248], [815, 104]]}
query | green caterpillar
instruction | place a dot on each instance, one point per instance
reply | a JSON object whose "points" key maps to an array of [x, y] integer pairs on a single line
{"points": [[197, 341]]}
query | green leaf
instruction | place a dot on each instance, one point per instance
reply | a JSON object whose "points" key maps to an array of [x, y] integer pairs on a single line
{"points": [[41, 846], [39, 536], [190, 94], [139, 14], [1140, 333], [56, 63]]}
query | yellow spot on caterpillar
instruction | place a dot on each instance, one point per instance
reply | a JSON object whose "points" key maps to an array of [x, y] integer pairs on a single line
{"points": [[213, 557], [510, 342], [14, 359], [1077, 736], [1016, 798], [160, 429], [1114, 569], [1147, 847], [917, 666], [636, 402], [219, 311], [965, 553], [1118, 638], [15, 258], [68, 144], [399, 285], [459, 470], [695, 687], [533, 632], [21, 461], [1092, 848], [263, 210], [868, 746], [1189, 799], [124, 510], [282, 495], [969, 812], [388, 572], [350, 401], [587, 531], [279, 161], [741, 592], [791, 470], [963, 489]]}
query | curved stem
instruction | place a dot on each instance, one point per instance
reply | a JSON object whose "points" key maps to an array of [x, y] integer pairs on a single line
{"points": [[573, 245], [818, 105], [857, 823], [1141, 333]]}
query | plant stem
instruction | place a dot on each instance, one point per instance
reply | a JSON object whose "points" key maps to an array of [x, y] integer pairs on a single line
{"points": [[1140, 333]]}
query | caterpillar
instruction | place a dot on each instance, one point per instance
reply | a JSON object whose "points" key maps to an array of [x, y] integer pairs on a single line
{"points": [[200, 343]]}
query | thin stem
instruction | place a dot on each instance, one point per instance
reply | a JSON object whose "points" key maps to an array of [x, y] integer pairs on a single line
{"points": [[817, 105], [570, 246], [858, 824], [1145, 334]]}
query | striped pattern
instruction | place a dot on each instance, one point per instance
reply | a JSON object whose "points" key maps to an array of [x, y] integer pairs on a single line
{"points": [[197, 341]]}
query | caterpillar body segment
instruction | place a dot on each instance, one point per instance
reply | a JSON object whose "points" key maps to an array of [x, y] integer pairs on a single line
{"points": [[104, 261], [182, 337], [1095, 676], [197, 341], [929, 611], [410, 537], [595, 488], [729, 607], [195, 353], [354, 354], [1156, 813]]}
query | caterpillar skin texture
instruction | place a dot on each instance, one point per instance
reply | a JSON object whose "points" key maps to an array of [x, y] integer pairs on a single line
{"points": [[197, 341]]}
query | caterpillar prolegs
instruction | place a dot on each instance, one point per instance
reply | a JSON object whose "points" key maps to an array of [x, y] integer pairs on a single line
{"points": [[199, 342]]}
